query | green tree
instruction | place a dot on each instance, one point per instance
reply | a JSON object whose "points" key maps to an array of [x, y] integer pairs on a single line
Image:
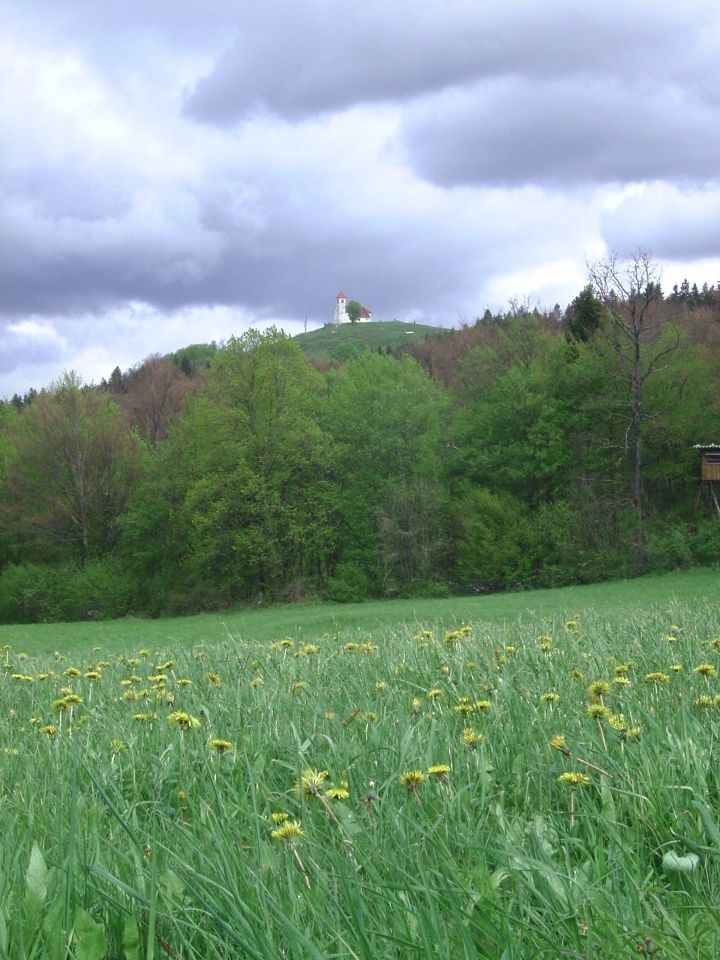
{"points": [[354, 310], [70, 469], [385, 417]]}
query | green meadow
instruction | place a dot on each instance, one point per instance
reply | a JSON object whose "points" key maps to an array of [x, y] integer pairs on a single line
{"points": [[510, 776]]}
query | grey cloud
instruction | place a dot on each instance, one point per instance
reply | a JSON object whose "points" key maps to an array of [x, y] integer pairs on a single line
{"points": [[515, 131], [673, 224], [301, 59]]}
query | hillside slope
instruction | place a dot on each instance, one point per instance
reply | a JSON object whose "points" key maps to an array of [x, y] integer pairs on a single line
{"points": [[341, 342]]}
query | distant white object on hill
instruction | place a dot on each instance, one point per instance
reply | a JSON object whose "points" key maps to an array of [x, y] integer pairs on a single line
{"points": [[341, 314]]}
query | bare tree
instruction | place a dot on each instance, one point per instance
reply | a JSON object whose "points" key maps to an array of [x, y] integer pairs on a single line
{"points": [[630, 290]]}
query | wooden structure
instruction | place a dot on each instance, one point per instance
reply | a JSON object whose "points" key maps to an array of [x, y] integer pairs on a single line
{"points": [[709, 472]]}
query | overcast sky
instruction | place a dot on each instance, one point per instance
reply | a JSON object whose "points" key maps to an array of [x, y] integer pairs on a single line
{"points": [[175, 171]]}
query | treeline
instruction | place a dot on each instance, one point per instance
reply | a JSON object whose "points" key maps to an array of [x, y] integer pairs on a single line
{"points": [[526, 449]]}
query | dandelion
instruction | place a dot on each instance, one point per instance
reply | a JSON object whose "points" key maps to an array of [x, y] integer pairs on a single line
{"points": [[71, 672], [434, 693], [598, 689], [416, 705], [557, 742], [621, 669], [338, 793], [550, 697], [310, 648], [371, 716], [704, 700], [511, 649], [471, 738], [351, 646], [411, 779], [576, 674], [183, 720], [213, 678], [298, 685], [380, 686], [183, 682], [705, 670], [597, 711], [92, 674], [632, 733], [310, 783], [439, 771], [676, 668], [287, 643], [622, 681], [572, 778], [465, 706], [288, 831], [49, 729], [545, 645], [117, 746], [483, 705], [256, 682], [279, 817], [657, 677], [618, 722], [145, 717], [571, 625], [219, 746]]}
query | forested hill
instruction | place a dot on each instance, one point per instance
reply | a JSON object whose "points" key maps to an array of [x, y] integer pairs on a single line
{"points": [[341, 342], [528, 448]]}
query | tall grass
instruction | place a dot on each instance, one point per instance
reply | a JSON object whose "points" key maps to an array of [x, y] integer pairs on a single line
{"points": [[143, 826]]}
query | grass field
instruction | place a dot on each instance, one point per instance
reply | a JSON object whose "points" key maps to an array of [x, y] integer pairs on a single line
{"points": [[332, 341], [515, 776]]}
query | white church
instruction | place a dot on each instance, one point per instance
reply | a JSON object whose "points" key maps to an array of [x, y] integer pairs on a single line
{"points": [[341, 314]]}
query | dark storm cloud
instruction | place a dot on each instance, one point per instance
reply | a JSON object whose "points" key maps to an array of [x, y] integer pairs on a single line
{"points": [[595, 130], [298, 59]]}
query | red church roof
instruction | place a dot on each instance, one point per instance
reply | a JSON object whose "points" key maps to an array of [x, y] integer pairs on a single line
{"points": [[341, 296]]}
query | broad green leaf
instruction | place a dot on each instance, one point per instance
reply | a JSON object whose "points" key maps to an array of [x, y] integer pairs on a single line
{"points": [[54, 934], [171, 885], [131, 939], [91, 943], [36, 876]]}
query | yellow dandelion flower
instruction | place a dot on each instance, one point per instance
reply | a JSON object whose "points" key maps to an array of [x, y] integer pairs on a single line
{"points": [[557, 742], [213, 678], [704, 700], [50, 729], [483, 705], [71, 672], [145, 717], [471, 738], [676, 668], [338, 793], [287, 643], [597, 711], [657, 677], [465, 706], [219, 746], [632, 733], [182, 797], [572, 625], [618, 722], [622, 681], [288, 831], [577, 674], [439, 770], [705, 670], [550, 697], [416, 705], [256, 682], [92, 674], [279, 817], [434, 693], [381, 686], [310, 649], [310, 783], [572, 778], [184, 720], [598, 689], [298, 685], [183, 682], [622, 669], [117, 746], [411, 779]]}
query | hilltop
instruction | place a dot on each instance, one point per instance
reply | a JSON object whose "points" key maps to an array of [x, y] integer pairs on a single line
{"points": [[342, 341]]}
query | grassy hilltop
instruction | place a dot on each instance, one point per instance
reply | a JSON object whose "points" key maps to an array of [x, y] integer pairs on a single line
{"points": [[340, 342]]}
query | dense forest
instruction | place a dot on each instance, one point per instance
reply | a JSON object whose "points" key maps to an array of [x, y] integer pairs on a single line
{"points": [[529, 448]]}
